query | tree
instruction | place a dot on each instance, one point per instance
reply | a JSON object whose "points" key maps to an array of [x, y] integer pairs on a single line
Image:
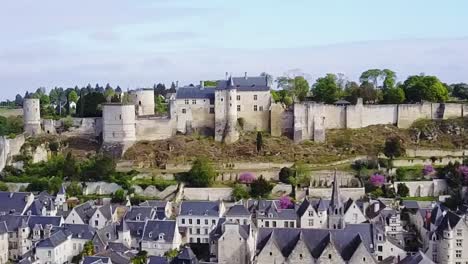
{"points": [[366, 91], [424, 88], [239, 192], [3, 187], [389, 79], [54, 185], [300, 88], [326, 89], [118, 196], [259, 141], [171, 254], [403, 190], [260, 188], [202, 174], [285, 173], [460, 90], [160, 106], [393, 148], [19, 100], [71, 168], [90, 104], [372, 76], [394, 95], [74, 189], [286, 203], [108, 92], [88, 249], [73, 96]]}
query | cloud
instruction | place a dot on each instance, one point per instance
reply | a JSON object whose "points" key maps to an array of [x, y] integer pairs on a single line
{"points": [[171, 36], [104, 36]]}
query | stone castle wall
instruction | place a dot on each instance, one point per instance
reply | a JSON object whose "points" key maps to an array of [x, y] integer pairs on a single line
{"points": [[154, 128], [9, 148]]}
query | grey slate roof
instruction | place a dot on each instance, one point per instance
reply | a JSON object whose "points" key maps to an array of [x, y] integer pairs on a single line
{"points": [[54, 240], [85, 211], [13, 222], [41, 200], [419, 258], [85, 232], [258, 83], [217, 232], [140, 213], [185, 257], [157, 260], [155, 227], [116, 257], [13, 202], [346, 240], [3, 228], [158, 204], [238, 210], [106, 211], [270, 209], [34, 220], [195, 92], [95, 260], [199, 208], [136, 228]]}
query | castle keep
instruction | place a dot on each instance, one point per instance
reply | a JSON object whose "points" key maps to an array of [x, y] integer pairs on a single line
{"points": [[235, 104]]}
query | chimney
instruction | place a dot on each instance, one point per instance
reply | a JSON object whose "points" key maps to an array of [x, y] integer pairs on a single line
{"points": [[227, 75], [376, 207], [245, 75], [202, 85]]}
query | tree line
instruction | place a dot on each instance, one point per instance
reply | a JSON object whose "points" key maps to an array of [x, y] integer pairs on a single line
{"points": [[374, 86]]}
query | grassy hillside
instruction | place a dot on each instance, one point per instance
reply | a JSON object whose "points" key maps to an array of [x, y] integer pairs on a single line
{"points": [[340, 144]]}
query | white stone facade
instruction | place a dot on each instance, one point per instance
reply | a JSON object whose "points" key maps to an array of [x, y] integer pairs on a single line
{"points": [[32, 116]]}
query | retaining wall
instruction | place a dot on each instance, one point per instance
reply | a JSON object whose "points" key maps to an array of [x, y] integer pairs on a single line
{"points": [[435, 187]]}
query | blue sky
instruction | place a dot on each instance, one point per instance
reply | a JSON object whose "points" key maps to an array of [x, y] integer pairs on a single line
{"points": [[138, 43]]}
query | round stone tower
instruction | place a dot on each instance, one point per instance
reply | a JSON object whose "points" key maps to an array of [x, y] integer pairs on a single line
{"points": [[119, 124], [32, 116], [144, 101]]}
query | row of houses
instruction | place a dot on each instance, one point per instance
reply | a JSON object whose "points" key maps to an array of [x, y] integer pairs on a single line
{"points": [[42, 229]]}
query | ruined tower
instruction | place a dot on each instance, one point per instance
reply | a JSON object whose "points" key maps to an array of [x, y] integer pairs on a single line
{"points": [[32, 116]]}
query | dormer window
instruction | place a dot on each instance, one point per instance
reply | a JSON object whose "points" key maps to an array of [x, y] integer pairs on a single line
{"points": [[161, 236], [190, 212], [270, 215], [138, 217], [150, 234]]}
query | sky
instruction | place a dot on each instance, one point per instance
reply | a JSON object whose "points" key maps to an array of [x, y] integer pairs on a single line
{"points": [[135, 44]]}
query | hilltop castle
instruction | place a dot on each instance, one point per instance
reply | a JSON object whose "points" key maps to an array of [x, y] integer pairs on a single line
{"points": [[235, 104]]}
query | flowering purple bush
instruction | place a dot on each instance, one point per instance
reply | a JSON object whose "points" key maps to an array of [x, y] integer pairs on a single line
{"points": [[377, 180], [463, 170], [246, 177], [428, 169], [286, 203]]}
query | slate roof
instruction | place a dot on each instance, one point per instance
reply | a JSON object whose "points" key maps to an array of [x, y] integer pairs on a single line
{"points": [[106, 211], [303, 207], [13, 222], [42, 200], [374, 209], [155, 203], [3, 228], [195, 92], [449, 221], [185, 257], [218, 231], [116, 257], [54, 240], [199, 208], [136, 228], [95, 260], [13, 202], [238, 210], [157, 260], [106, 234], [346, 240], [418, 258], [85, 211], [34, 220], [155, 227], [85, 232], [270, 209], [141, 212], [258, 83]]}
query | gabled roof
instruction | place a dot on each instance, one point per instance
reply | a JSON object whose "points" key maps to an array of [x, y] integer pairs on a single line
{"points": [[200, 208], [96, 260], [105, 235], [303, 207], [185, 257], [270, 209], [54, 240], [195, 92], [106, 211], [13, 222], [449, 221], [159, 204], [136, 228], [140, 213], [237, 210], [85, 232], [344, 240], [258, 83], [154, 228], [85, 211], [13, 202], [34, 220]]}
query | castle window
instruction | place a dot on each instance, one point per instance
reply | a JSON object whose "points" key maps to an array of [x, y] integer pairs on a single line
{"points": [[194, 101], [183, 221], [120, 117], [311, 222], [300, 256], [330, 256], [459, 242], [238, 108], [211, 110], [238, 98], [271, 253], [267, 224], [459, 232], [364, 259], [255, 97], [458, 253], [255, 108], [261, 108], [161, 236], [379, 248], [221, 99], [211, 101], [274, 223], [186, 101], [184, 111]]}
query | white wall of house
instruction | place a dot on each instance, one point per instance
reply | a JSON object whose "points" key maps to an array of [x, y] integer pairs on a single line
{"points": [[62, 253], [4, 248], [74, 218], [198, 227], [98, 220], [160, 246]]}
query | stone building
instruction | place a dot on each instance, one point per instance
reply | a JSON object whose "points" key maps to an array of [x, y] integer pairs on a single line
{"points": [[32, 116]]}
